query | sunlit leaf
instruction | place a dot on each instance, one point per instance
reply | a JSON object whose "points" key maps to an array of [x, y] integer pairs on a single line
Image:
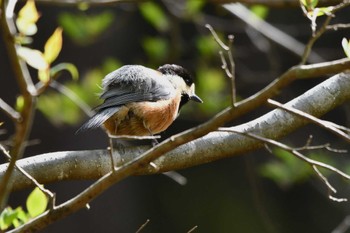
{"points": [[27, 17], [6, 218], [309, 4], [154, 15], [72, 69], [53, 46], [36, 202], [346, 47], [19, 103], [11, 217], [44, 75], [320, 11], [33, 57], [21, 215]]}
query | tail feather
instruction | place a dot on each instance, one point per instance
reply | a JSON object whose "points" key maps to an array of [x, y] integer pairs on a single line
{"points": [[98, 119]]}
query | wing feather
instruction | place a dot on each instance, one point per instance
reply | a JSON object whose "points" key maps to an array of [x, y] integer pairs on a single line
{"points": [[128, 84]]}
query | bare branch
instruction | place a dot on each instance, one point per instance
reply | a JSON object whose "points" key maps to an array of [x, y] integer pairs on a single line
{"points": [[322, 123], [313, 163], [27, 89], [316, 34], [271, 32], [13, 114], [230, 71], [47, 192], [143, 226], [76, 165]]}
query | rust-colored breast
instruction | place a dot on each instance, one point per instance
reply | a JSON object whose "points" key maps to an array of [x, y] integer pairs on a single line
{"points": [[143, 118]]}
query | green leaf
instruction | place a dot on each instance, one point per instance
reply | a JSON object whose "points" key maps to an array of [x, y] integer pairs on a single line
{"points": [[71, 68], [320, 11], [53, 46], [10, 217], [33, 57], [260, 11], [6, 218], [27, 17], [36, 202], [346, 47], [309, 4], [154, 15]]}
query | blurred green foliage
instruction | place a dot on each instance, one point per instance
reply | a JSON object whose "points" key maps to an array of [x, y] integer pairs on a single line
{"points": [[156, 49], [289, 170], [84, 29], [61, 109], [155, 15]]}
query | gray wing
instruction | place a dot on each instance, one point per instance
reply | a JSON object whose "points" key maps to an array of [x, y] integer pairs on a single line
{"points": [[128, 84]]}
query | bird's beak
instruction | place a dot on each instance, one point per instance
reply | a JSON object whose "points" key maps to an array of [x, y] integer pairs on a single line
{"points": [[196, 98]]}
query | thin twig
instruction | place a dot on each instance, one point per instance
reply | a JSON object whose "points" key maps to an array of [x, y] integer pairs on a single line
{"points": [[142, 226], [192, 229], [318, 33], [47, 192], [336, 27], [230, 71], [324, 179], [311, 162], [322, 123], [72, 96], [217, 39], [13, 114]]}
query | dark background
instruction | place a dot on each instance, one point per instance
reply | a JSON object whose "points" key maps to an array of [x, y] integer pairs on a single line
{"points": [[223, 196]]}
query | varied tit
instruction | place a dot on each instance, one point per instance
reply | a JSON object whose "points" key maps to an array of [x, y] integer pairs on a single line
{"points": [[139, 101]]}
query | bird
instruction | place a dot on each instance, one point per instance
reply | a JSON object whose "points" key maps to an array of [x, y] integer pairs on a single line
{"points": [[140, 101]]}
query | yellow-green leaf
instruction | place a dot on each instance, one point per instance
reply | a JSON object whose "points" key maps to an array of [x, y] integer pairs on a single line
{"points": [[19, 103], [33, 57], [53, 46], [309, 4], [346, 47], [27, 17], [72, 69], [36, 202], [44, 75]]}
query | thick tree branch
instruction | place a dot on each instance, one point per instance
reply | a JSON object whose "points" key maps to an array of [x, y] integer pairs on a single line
{"points": [[53, 167]]}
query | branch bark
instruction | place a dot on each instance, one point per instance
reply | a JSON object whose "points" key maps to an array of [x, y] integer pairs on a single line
{"points": [[75, 165]]}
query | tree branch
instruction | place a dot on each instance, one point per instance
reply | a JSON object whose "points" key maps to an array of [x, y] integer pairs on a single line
{"points": [[76, 165], [27, 89]]}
